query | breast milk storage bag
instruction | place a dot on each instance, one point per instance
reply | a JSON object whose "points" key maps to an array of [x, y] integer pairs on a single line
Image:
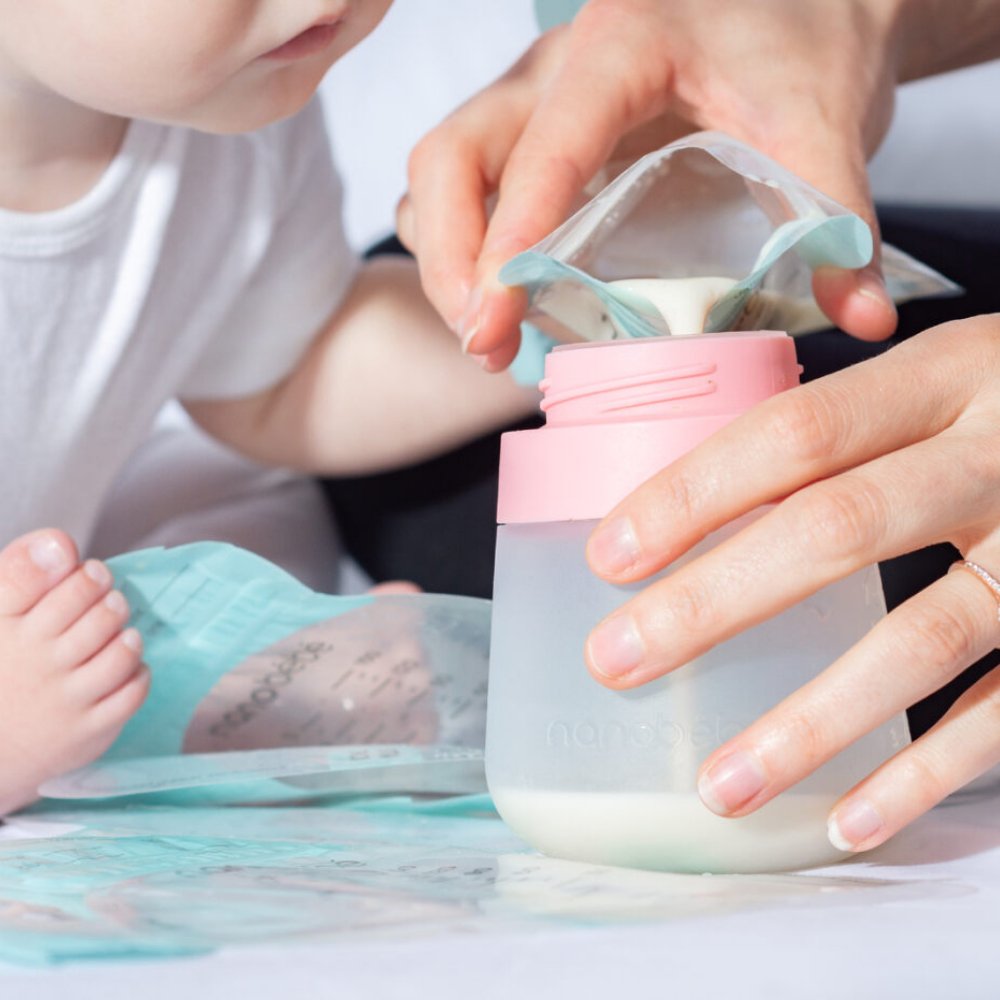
{"points": [[584, 772]]}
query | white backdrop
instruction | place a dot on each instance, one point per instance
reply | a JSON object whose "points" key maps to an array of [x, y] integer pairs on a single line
{"points": [[429, 55]]}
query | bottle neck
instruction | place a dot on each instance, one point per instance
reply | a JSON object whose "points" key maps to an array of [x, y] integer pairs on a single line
{"points": [[664, 378], [619, 412]]}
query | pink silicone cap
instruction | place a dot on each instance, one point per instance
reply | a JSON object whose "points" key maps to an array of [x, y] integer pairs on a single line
{"points": [[619, 412]]}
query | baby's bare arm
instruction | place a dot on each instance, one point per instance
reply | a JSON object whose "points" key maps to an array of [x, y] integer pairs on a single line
{"points": [[384, 385]]}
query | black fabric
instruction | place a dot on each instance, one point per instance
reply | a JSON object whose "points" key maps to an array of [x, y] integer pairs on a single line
{"points": [[434, 523]]}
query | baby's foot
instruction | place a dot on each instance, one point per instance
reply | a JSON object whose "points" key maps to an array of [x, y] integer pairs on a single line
{"points": [[71, 674]]}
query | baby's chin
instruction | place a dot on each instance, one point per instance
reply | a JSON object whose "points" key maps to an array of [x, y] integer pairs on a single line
{"points": [[260, 106]]}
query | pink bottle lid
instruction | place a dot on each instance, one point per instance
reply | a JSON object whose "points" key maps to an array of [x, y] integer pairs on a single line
{"points": [[618, 412]]}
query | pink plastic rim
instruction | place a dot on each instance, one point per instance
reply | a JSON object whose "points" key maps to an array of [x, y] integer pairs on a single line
{"points": [[619, 412]]}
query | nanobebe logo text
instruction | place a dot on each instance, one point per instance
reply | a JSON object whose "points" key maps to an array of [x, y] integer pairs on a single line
{"points": [[659, 733]]}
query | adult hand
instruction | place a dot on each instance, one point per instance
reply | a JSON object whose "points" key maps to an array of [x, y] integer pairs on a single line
{"points": [[880, 459], [808, 82]]}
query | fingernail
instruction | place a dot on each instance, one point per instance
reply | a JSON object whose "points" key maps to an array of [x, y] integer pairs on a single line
{"points": [[615, 647], [731, 782], [852, 824], [132, 639], [491, 363], [49, 555], [97, 572], [468, 324], [613, 547], [116, 602], [872, 287]]}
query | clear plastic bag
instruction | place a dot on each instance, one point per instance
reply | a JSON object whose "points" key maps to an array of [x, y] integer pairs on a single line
{"points": [[263, 689], [737, 232]]}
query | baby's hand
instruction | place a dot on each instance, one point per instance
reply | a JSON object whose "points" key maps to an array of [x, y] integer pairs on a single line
{"points": [[70, 672]]}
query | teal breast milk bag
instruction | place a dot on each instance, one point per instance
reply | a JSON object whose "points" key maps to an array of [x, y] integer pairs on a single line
{"points": [[263, 690], [702, 237]]}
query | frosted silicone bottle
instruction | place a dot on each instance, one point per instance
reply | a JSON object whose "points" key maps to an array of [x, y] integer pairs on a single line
{"points": [[583, 772]]}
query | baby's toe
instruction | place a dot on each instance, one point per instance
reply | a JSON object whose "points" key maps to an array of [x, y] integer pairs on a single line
{"points": [[112, 668], [67, 605], [115, 709], [98, 626], [31, 566]]}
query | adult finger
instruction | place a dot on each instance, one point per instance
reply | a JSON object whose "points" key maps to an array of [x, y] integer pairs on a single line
{"points": [[856, 301], [452, 173], [825, 133], [455, 169], [590, 104], [807, 433], [911, 653], [820, 534], [959, 748]]}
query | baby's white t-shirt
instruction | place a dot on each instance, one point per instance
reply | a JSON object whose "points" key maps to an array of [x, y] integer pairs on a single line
{"points": [[198, 267]]}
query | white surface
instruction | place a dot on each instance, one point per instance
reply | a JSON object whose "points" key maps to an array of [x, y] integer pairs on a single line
{"points": [[429, 56], [917, 919]]}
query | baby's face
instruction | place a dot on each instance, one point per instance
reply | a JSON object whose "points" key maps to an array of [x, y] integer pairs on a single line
{"points": [[217, 65]]}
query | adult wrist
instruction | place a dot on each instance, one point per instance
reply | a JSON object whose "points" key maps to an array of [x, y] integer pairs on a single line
{"points": [[935, 36]]}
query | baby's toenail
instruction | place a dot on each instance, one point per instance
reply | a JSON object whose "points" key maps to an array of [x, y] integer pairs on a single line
{"points": [[115, 602], [97, 572], [132, 639], [49, 555]]}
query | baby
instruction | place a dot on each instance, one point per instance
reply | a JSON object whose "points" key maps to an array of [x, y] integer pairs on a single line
{"points": [[169, 228]]}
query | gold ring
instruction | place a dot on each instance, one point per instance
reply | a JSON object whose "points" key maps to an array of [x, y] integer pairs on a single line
{"points": [[984, 576]]}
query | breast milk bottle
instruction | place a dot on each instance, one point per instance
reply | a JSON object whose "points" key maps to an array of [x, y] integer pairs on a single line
{"points": [[583, 772]]}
